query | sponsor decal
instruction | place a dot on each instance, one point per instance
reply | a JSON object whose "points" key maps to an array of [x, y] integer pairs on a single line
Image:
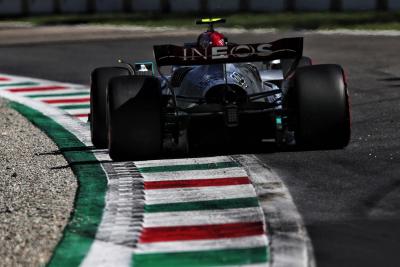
{"points": [[225, 52], [239, 78]]}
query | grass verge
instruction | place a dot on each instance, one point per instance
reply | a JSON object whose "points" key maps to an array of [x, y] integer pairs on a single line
{"points": [[283, 21]]}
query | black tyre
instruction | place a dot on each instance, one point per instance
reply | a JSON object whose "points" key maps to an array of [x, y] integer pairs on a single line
{"points": [[287, 64], [321, 107], [304, 61], [98, 122], [135, 118]]}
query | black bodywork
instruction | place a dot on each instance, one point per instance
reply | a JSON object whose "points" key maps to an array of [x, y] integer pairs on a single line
{"points": [[232, 95], [219, 94]]}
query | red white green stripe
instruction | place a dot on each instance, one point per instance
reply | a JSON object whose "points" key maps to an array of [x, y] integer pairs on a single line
{"points": [[73, 99], [36, 89], [189, 218], [196, 183]]}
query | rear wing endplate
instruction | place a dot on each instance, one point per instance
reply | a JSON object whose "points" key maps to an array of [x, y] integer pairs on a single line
{"points": [[169, 55]]}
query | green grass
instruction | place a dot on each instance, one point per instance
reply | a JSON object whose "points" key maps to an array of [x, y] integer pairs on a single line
{"points": [[285, 21]]}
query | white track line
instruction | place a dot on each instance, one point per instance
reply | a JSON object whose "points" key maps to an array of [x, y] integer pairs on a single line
{"points": [[290, 244], [68, 104], [204, 217], [190, 175], [174, 162], [111, 255], [77, 111], [183, 195], [184, 31], [62, 98], [387, 33], [200, 245]]}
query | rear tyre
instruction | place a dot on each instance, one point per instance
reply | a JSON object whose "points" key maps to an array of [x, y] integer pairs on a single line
{"points": [[98, 122], [135, 118], [321, 107], [287, 64], [304, 61]]}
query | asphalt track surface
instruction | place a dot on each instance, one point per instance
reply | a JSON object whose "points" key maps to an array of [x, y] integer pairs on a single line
{"points": [[349, 199]]}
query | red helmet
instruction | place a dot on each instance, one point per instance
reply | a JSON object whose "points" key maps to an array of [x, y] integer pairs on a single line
{"points": [[211, 38], [217, 39]]}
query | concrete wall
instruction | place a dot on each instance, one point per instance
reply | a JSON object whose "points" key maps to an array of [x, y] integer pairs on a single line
{"points": [[359, 5], [270, 5], [18, 7], [41, 6], [109, 5], [394, 4], [146, 5], [312, 5], [223, 5], [73, 6], [11, 7], [185, 5]]}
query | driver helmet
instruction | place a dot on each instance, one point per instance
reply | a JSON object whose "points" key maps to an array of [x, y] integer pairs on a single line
{"points": [[214, 38], [217, 39]]}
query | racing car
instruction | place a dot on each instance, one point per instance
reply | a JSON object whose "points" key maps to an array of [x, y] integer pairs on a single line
{"points": [[217, 93]]}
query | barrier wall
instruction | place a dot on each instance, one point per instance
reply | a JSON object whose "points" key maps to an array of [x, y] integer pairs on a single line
{"points": [[223, 5], [358, 5], [26, 7], [41, 6], [312, 5], [11, 7], [185, 5], [147, 5], [109, 5], [271, 5], [394, 4], [73, 6]]}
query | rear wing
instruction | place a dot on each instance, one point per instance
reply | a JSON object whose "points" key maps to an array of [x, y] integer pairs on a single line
{"points": [[168, 55]]}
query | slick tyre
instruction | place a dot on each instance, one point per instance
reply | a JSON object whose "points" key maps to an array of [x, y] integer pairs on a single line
{"points": [[135, 118], [321, 107], [287, 64], [98, 121]]}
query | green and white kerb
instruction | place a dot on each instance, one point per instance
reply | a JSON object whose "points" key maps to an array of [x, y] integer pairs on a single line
{"points": [[177, 212]]}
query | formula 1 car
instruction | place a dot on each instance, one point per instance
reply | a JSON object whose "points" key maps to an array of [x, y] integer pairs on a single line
{"points": [[219, 93]]}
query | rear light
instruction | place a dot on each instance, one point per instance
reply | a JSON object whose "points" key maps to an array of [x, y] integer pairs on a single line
{"points": [[231, 116]]}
